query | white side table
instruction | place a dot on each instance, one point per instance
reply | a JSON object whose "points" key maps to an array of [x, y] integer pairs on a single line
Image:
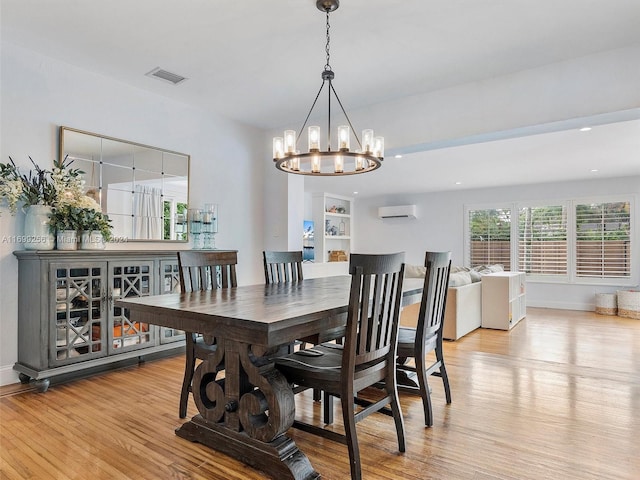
{"points": [[503, 299]]}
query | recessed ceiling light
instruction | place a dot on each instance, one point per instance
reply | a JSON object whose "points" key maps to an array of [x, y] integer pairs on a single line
{"points": [[594, 170], [585, 129], [355, 193], [398, 156], [458, 183]]}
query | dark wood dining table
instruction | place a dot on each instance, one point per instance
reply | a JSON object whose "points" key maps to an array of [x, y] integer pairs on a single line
{"points": [[245, 409]]}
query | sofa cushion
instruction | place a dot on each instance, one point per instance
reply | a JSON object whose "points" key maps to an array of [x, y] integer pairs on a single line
{"points": [[456, 269], [486, 269], [475, 276], [414, 271], [459, 279]]}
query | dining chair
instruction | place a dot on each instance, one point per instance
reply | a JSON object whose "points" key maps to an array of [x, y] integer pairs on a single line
{"points": [[367, 356], [202, 271], [418, 342], [286, 267], [282, 267]]}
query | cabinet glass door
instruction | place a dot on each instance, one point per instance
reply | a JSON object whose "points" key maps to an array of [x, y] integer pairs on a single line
{"points": [[80, 312], [170, 283], [129, 279]]}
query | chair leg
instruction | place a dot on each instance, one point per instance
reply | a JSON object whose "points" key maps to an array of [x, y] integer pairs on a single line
{"points": [[397, 417], [445, 377], [189, 367], [424, 391], [348, 415], [327, 408]]}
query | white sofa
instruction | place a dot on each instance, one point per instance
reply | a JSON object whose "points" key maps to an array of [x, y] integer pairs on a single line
{"points": [[463, 312]]}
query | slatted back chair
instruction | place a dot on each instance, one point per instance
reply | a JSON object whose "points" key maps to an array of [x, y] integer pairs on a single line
{"points": [[367, 356], [282, 267], [418, 342], [202, 271]]}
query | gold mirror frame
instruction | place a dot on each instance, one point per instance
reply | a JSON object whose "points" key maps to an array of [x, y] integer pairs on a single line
{"points": [[134, 183]]}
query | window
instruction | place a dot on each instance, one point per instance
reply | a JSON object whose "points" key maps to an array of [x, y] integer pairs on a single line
{"points": [[603, 240], [542, 240], [171, 209], [490, 237], [588, 241]]}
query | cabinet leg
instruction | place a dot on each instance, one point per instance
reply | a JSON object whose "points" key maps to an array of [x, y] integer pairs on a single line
{"points": [[24, 378], [42, 385]]}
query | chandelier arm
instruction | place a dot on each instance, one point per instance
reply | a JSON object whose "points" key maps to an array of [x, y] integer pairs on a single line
{"points": [[310, 110], [353, 130]]}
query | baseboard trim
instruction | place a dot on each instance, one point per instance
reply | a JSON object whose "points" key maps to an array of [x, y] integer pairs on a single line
{"points": [[584, 307], [8, 375]]}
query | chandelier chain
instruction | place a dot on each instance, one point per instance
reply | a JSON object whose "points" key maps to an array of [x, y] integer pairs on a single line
{"points": [[327, 67]]}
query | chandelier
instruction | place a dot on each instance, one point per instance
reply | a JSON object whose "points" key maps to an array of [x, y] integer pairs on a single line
{"points": [[340, 161]]}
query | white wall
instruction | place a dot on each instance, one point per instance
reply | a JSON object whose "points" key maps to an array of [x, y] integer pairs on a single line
{"points": [[581, 87], [39, 94], [440, 226]]}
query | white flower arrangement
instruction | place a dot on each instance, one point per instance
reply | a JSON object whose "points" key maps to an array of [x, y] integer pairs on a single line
{"points": [[61, 188]]}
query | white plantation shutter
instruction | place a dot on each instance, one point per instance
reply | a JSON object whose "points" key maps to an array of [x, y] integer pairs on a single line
{"points": [[490, 237], [542, 240], [603, 240]]}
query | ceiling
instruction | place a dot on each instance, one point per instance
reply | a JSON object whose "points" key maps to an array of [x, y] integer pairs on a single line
{"points": [[259, 62]]}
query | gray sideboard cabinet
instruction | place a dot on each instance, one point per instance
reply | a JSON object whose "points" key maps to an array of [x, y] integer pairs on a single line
{"points": [[67, 319]]}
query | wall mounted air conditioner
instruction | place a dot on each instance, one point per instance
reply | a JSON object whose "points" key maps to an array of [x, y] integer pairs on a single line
{"points": [[401, 211]]}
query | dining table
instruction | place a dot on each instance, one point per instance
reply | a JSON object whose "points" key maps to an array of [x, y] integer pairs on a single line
{"points": [[245, 405]]}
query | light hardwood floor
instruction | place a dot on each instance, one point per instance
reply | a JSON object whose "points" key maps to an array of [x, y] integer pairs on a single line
{"points": [[558, 397]]}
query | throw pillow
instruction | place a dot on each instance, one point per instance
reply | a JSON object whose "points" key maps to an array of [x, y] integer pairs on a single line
{"points": [[458, 279], [414, 271]]}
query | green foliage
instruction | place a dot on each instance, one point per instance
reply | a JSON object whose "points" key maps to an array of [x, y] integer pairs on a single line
{"points": [[492, 224], [90, 219], [180, 208], [543, 223], [67, 218], [603, 221]]}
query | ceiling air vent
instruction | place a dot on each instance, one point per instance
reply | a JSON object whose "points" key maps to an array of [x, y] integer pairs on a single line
{"points": [[166, 76]]}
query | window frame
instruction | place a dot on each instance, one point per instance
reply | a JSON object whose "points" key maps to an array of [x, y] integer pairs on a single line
{"points": [[548, 278], [571, 277], [467, 230], [632, 280]]}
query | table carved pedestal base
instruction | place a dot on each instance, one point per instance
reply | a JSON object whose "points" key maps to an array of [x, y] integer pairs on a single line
{"points": [[246, 413], [281, 458]]}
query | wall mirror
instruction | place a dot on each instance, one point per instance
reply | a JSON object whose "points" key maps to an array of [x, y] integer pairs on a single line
{"points": [[143, 189]]}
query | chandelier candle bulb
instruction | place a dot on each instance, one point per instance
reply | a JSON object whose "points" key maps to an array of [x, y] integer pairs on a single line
{"points": [[367, 141], [315, 164], [278, 147], [339, 164], [359, 163], [343, 138], [378, 147], [289, 141], [314, 138]]}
